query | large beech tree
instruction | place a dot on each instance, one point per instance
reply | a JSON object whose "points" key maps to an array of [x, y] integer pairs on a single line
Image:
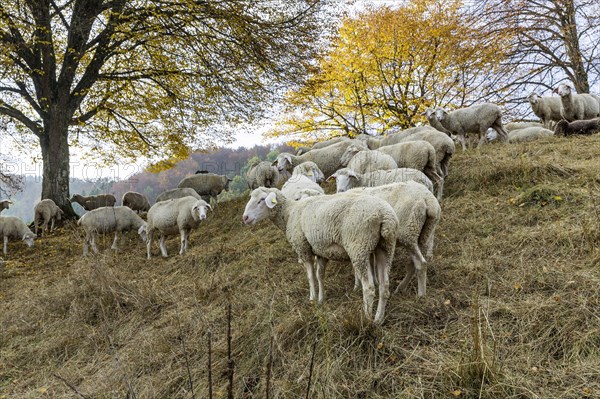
{"points": [[142, 77]]}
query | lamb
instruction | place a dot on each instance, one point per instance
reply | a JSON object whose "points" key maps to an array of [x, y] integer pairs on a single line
{"points": [[474, 119], [136, 201], [528, 134], [13, 228], [109, 219], [362, 161], [177, 193], [46, 211], [295, 186], [327, 159], [310, 170], [206, 184], [334, 227], [94, 201], [547, 108], [419, 213], [420, 155], [346, 179], [5, 204], [577, 106], [590, 126], [179, 215], [262, 174]]}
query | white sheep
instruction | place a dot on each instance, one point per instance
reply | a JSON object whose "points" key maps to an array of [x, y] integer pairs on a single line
{"points": [[420, 155], [443, 144], [5, 204], [110, 219], [327, 159], [512, 126], [206, 184], [46, 211], [346, 179], [94, 201], [362, 160], [547, 108], [338, 227], [528, 134], [474, 119], [13, 228], [310, 170], [295, 186], [262, 174], [419, 213], [177, 193], [136, 201], [577, 106], [179, 215]]}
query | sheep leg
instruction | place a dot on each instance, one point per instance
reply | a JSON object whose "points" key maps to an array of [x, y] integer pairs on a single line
{"points": [[35, 225], [163, 246], [52, 224], [5, 247], [114, 244], [356, 282], [368, 286], [94, 247], [311, 278], [321, 265], [382, 264], [420, 264], [149, 236], [184, 241], [410, 272]]}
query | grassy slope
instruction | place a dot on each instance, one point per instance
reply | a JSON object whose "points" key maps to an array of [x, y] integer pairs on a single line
{"points": [[513, 301]]}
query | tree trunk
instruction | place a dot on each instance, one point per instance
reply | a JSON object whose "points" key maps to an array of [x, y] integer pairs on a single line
{"points": [[55, 157]]}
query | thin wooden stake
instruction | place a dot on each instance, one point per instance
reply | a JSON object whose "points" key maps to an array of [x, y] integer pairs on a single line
{"points": [[269, 368], [230, 363], [310, 372], [209, 365], [185, 355]]}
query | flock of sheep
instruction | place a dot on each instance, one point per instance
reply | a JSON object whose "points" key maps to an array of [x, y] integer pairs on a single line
{"points": [[388, 195]]}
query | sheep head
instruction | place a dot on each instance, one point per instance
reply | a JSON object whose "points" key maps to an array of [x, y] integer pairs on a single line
{"points": [[533, 98], [440, 114], [563, 90], [28, 238], [199, 210], [345, 179], [262, 200]]}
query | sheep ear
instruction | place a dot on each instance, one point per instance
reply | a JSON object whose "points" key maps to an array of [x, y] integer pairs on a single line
{"points": [[288, 157], [271, 200], [352, 173], [332, 177], [555, 90], [209, 207]]}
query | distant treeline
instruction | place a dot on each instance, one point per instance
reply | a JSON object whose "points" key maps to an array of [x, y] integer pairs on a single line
{"points": [[231, 162]]}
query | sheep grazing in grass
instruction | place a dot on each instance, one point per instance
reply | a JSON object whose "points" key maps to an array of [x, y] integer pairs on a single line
{"points": [[262, 174], [94, 201], [110, 219], [136, 201], [577, 106], [295, 187], [346, 179], [46, 211], [327, 159], [362, 160], [528, 134], [206, 184], [512, 126], [5, 204], [179, 215], [419, 213], [474, 119], [547, 108], [334, 227], [13, 228], [310, 170], [585, 127], [420, 155], [177, 193]]}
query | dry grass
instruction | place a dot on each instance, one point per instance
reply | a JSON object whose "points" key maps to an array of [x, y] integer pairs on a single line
{"points": [[513, 305]]}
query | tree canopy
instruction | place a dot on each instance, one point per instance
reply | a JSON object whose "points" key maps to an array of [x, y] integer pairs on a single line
{"points": [[387, 65], [132, 77]]}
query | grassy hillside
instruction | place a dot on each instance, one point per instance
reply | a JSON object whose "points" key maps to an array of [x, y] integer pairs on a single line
{"points": [[512, 311]]}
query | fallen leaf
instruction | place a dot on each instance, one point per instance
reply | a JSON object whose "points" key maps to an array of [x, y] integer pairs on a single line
{"points": [[456, 392]]}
